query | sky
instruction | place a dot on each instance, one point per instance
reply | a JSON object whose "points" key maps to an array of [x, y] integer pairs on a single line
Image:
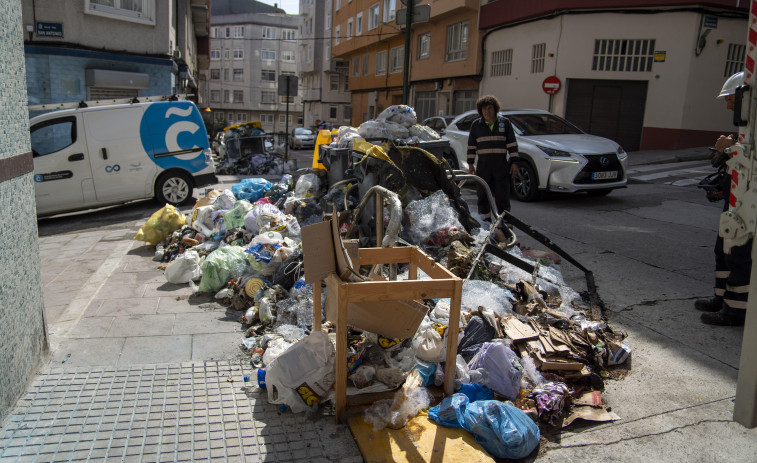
{"points": [[290, 6]]}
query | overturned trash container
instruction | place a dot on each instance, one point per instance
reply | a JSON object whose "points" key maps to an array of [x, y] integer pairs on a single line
{"points": [[336, 161]]}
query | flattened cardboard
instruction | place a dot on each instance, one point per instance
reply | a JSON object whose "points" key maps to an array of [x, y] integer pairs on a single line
{"points": [[318, 252], [590, 414], [517, 330], [393, 319]]}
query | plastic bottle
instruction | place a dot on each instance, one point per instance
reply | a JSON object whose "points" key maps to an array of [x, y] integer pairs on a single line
{"points": [[261, 378]]}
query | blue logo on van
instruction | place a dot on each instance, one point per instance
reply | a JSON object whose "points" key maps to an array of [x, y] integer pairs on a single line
{"points": [[173, 127]]}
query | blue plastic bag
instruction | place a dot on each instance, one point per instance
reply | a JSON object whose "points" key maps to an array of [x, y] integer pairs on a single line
{"points": [[504, 430], [449, 413], [426, 371], [476, 392], [251, 189]]}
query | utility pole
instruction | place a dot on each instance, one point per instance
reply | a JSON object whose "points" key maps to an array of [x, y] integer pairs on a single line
{"points": [[406, 70]]}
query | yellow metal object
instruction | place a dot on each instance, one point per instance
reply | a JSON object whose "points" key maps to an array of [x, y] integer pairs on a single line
{"points": [[421, 440], [324, 137], [254, 124]]}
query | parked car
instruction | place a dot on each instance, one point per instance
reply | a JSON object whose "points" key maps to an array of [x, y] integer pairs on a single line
{"points": [[219, 145], [438, 123], [302, 138], [555, 154]]}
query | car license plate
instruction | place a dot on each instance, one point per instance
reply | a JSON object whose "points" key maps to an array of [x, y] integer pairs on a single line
{"points": [[604, 175]]}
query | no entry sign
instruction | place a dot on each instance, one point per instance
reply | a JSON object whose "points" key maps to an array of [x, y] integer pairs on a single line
{"points": [[551, 85]]}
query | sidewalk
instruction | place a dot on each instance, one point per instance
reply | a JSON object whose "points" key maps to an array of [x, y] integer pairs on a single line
{"points": [[639, 158]]}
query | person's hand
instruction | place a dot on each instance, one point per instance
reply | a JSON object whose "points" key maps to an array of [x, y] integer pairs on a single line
{"points": [[513, 169], [471, 169], [724, 142]]}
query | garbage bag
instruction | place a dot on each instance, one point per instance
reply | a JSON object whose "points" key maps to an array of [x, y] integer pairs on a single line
{"points": [[423, 132], [401, 114], [289, 271], [185, 268], [225, 200], [234, 218], [251, 219], [251, 189], [504, 430], [499, 361], [429, 344], [161, 223], [450, 411], [220, 266], [303, 375], [373, 129], [307, 186], [477, 331]]}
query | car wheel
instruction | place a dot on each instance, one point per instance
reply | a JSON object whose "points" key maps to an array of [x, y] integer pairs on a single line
{"points": [[603, 192], [524, 184], [173, 188], [451, 160]]}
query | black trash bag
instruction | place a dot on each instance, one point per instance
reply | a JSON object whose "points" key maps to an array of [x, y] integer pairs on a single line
{"points": [[289, 271], [477, 331]]}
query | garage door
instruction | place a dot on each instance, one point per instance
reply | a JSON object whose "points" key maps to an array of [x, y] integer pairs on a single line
{"points": [[609, 108]]}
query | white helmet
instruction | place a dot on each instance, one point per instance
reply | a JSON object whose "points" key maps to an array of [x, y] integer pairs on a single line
{"points": [[729, 87]]}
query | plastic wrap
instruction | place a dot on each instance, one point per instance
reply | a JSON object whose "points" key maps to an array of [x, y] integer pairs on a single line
{"points": [[234, 217], [401, 114], [307, 186], [423, 132], [225, 200], [373, 129], [251, 219], [426, 216]]}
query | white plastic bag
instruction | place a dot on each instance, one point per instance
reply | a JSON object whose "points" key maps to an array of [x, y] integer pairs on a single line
{"points": [[306, 186], [303, 375], [429, 345], [185, 268], [274, 349], [224, 201]]}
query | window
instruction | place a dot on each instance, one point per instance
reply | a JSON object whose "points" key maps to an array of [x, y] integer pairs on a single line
{"points": [[226, 53], [502, 63], [238, 31], [289, 34], [346, 83], [347, 112], [241, 117], [464, 100], [268, 97], [142, 11], [425, 104], [284, 99], [268, 75], [390, 10], [349, 28], [219, 117], [266, 118], [334, 82], [373, 16], [226, 96], [328, 20], [628, 55], [269, 32], [457, 41], [338, 4], [215, 96], [287, 56], [226, 75], [537, 58], [381, 63], [359, 23], [337, 31], [230, 117], [734, 61], [227, 32], [53, 135], [238, 53], [366, 57], [215, 54], [396, 56], [356, 66], [424, 45], [238, 74], [327, 52], [332, 112], [268, 55], [215, 32], [283, 118], [215, 74]]}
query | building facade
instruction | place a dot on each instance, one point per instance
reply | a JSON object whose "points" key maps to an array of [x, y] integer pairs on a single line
{"points": [[22, 308], [644, 74], [251, 46], [444, 56], [325, 80], [103, 49]]}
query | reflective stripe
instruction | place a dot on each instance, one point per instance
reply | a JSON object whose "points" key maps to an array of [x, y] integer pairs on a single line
{"points": [[471, 147], [510, 145], [735, 304], [492, 138], [493, 151], [722, 274], [737, 289], [719, 291]]}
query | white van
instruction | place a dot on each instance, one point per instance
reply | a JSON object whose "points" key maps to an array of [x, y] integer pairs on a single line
{"points": [[102, 155]]}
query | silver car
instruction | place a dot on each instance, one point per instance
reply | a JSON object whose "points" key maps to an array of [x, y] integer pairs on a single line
{"points": [[555, 155], [302, 138]]}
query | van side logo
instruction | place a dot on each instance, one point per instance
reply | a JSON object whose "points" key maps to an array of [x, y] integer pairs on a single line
{"points": [[173, 127]]}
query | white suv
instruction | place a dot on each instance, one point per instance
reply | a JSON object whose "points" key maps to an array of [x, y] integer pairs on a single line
{"points": [[555, 154]]}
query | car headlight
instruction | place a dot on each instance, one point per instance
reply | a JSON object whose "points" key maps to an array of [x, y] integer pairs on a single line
{"points": [[622, 153], [554, 152]]}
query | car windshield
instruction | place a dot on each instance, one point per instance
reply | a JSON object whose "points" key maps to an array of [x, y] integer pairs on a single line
{"points": [[542, 124], [303, 132]]}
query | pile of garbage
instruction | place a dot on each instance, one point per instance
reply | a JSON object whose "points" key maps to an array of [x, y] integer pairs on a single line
{"points": [[532, 353], [248, 151], [398, 123]]}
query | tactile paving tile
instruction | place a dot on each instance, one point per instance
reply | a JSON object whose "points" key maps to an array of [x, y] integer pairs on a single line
{"points": [[150, 413]]}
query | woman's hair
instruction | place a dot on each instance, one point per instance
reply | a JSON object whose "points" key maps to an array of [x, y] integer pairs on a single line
{"points": [[487, 100]]}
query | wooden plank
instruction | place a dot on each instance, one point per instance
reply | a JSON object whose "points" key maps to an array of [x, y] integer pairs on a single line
{"points": [[371, 256], [400, 290], [341, 356], [517, 330], [317, 310], [551, 363], [453, 331]]}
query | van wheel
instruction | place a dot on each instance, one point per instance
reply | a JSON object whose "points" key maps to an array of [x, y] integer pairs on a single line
{"points": [[173, 188], [524, 184]]}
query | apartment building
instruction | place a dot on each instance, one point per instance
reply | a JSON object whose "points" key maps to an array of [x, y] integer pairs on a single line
{"points": [[325, 80], [642, 73], [252, 44], [102, 49], [444, 56]]}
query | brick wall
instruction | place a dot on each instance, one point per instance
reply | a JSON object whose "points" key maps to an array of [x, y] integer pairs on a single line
{"points": [[22, 326]]}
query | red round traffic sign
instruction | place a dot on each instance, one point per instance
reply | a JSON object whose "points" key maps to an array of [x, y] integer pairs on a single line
{"points": [[551, 85]]}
